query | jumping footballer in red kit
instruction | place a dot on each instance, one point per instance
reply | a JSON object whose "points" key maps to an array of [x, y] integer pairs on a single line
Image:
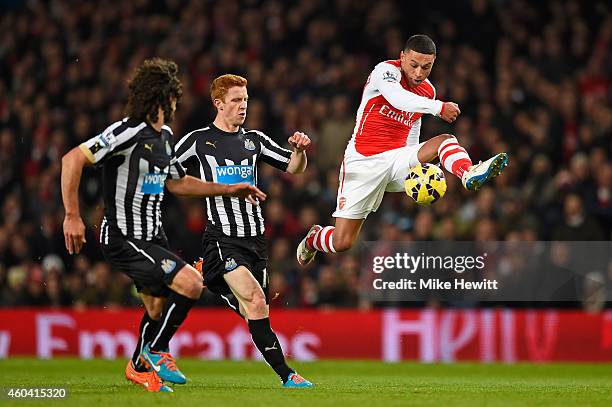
{"points": [[385, 145]]}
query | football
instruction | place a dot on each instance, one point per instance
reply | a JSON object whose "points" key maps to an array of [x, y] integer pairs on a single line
{"points": [[425, 184]]}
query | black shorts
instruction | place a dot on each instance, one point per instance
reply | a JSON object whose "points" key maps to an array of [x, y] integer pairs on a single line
{"points": [[223, 254], [150, 264]]}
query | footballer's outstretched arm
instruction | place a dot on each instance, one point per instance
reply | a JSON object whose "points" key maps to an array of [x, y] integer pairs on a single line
{"points": [[195, 187], [72, 169], [386, 78], [298, 162]]}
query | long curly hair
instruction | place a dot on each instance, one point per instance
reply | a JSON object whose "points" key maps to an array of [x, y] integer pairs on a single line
{"points": [[153, 85]]}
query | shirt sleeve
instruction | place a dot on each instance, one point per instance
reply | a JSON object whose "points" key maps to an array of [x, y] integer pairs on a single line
{"points": [[272, 153], [386, 78], [176, 169], [114, 138], [186, 147]]}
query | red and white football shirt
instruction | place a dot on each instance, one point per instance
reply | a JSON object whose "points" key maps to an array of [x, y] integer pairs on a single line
{"points": [[389, 115]]}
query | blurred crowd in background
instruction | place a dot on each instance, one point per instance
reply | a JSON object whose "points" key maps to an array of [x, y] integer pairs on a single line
{"points": [[531, 78]]}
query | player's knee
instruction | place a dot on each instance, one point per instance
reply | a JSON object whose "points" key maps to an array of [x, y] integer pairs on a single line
{"points": [[429, 151], [256, 306], [258, 301], [188, 282], [196, 289], [443, 137], [193, 288]]}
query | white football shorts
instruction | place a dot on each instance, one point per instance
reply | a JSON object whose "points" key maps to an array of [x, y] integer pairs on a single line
{"points": [[364, 180]]}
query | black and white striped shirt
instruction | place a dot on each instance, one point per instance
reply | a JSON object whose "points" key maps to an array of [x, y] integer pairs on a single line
{"points": [[136, 161], [230, 158]]}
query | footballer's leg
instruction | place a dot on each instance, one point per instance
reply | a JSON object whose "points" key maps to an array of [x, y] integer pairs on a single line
{"points": [[454, 158], [186, 288], [329, 239], [429, 150], [135, 259], [148, 328], [137, 370], [362, 184], [253, 303]]}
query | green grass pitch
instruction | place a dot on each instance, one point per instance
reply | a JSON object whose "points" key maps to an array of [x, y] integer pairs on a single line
{"points": [[338, 384]]}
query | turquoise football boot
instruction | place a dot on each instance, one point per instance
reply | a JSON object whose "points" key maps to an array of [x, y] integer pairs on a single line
{"points": [[474, 178], [295, 381], [164, 365]]}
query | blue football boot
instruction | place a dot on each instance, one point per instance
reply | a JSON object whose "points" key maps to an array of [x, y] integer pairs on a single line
{"points": [[163, 364], [474, 178], [296, 381]]}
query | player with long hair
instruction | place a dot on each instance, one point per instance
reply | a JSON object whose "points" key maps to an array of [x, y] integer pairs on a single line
{"points": [[137, 159]]}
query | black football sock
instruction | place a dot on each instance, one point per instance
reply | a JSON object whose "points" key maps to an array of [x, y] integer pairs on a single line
{"points": [[175, 311], [266, 341], [148, 327]]}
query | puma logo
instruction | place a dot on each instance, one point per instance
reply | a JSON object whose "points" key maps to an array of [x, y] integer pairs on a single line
{"points": [[149, 147], [211, 143], [271, 348]]}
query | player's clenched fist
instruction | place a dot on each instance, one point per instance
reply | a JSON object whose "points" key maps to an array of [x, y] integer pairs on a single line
{"points": [[449, 112], [300, 141]]}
